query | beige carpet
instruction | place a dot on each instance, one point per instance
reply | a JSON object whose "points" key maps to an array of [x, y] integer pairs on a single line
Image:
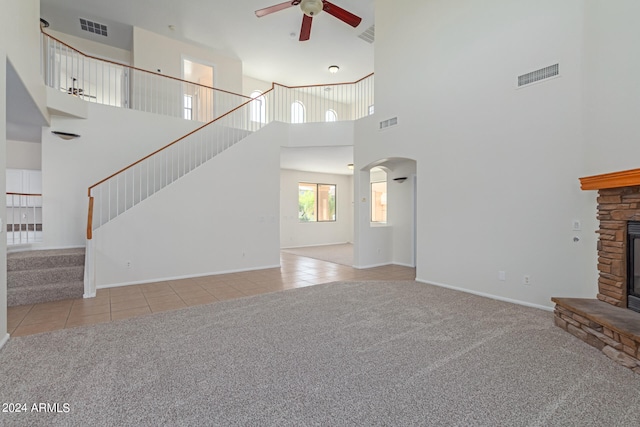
{"points": [[339, 254], [340, 354]]}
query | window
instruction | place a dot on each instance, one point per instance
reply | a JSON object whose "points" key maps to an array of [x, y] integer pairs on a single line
{"points": [[330, 116], [258, 108], [297, 112], [188, 107], [378, 180], [316, 202], [379, 201]]}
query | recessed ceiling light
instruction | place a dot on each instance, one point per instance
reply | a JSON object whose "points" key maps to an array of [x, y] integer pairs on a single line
{"points": [[334, 69]]}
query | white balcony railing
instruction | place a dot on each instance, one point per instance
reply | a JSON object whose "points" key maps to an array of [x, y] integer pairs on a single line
{"points": [[105, 82], [322, 103], [24, 218]]}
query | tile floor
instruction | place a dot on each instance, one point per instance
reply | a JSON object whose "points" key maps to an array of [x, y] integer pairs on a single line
{"points": [[137, 300]]}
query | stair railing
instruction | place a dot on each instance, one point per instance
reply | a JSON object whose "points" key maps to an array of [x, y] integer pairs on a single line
{"points": [[24, 218], [107, 82], [131, 185], [322, 103]]}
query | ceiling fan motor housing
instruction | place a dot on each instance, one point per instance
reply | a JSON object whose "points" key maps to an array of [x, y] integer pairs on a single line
{"points": [[311, 7]]}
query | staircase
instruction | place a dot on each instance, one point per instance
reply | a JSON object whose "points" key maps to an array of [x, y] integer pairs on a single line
{"points": [[46, 275]]}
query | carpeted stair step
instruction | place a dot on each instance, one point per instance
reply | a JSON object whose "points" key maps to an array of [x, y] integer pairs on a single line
{"points": [[17, 261], [46, 275], [42, 276], [44, 293]]}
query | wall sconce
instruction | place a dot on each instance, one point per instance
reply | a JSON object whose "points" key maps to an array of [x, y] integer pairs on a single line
{"points": [[350, 166], [400, 179], [65, 135]]}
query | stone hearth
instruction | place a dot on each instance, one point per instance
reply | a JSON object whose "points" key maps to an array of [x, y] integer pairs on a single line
{"points": [[605, 322]]}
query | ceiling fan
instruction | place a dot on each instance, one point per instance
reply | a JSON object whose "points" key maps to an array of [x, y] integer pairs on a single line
{"points": [[311, 8]]}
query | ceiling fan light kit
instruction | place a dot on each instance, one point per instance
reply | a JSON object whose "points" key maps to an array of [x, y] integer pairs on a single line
{"points": [[311, 8]]}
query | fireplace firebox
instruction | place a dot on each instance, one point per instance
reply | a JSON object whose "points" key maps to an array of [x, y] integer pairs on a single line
{"points": [[633, 265]]}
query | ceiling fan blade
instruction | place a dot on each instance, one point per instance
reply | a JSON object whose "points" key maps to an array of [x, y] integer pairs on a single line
{"points": [[305, 31], [341, 14], [275, 8]]}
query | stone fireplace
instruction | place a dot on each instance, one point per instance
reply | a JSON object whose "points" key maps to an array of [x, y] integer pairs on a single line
{"points": [[606, 322]]}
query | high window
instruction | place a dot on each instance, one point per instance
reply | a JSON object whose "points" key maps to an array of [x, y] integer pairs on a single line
{"points": [[258, 107], [316, 202], [297, 112], [330, 116]]}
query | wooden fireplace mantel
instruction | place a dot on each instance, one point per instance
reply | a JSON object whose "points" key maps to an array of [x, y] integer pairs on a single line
{"points": [[620, 179]]}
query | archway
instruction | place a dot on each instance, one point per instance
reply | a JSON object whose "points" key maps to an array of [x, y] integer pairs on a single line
{"points": [[390, 239]]}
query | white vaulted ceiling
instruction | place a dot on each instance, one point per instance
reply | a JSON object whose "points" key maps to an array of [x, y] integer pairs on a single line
{"points": [[268, 47]]}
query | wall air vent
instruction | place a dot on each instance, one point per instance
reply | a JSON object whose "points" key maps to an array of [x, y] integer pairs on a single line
{"points": [[388, 123], [541, 74], [93, 27], [369, 34]]}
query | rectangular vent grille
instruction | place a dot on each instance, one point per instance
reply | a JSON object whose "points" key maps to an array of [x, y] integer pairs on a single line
{"points": [[369, 34], [388, 123], [541, 74], [93, 27]]}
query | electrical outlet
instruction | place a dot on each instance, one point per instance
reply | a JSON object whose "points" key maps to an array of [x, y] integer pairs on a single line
{"points": [[502, 275], [128, 264], [526, 279]]}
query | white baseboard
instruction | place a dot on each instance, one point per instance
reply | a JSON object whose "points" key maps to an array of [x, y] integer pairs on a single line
{"points": [[402, 264], [363, 267], [4, 340], [190, 276], [486, 295], [316, 245]]}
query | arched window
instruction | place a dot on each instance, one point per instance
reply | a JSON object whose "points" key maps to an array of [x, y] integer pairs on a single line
{"points": [[297, 112], [259, 107], [330, 116]]}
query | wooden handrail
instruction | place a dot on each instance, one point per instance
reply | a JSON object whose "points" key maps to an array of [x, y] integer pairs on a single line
{"points": [[139, 69], [90, 220], [22, 194], [168, 145], [328, 84]]}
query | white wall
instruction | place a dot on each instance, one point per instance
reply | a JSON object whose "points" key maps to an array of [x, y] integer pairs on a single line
{"points": [[294, 233], [93, 48], [24, 155], [20, 39], [612, 100], [111, 138], [3, 216], [221, 217], [319, 134], [497, 167], [148, 56], [400, 211]]}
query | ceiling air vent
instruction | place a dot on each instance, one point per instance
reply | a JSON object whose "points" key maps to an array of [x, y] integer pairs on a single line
{"points": [[93, 27], [388, 123], [369, 34], [541, 74]]}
